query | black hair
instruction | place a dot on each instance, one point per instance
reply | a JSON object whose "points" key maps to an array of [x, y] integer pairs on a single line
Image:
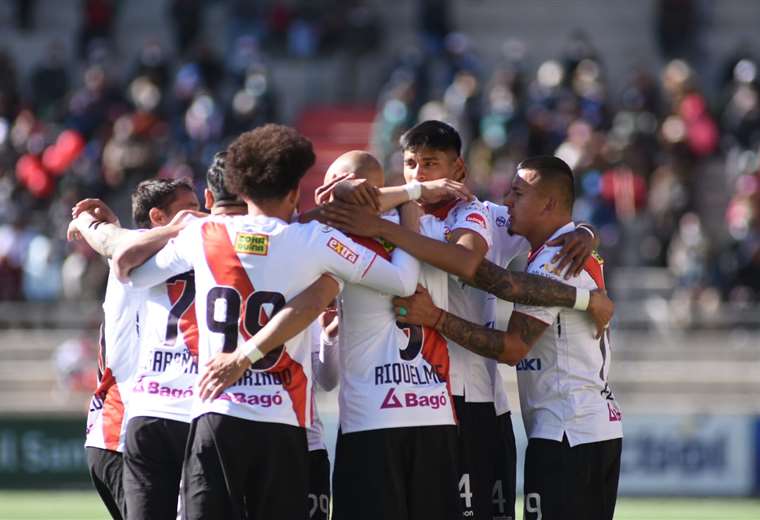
{"points": [[215, 182], [435, 135], [268, 162], [155, 193], [554, 170]]}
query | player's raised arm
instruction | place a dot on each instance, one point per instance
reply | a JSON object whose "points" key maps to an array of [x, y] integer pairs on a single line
{"points": [[95, 223], [135, 251], [452, 258], [226, 368], [506, 347]]}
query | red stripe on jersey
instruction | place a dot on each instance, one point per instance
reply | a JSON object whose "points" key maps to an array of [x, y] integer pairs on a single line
{"points": [[373, 245], [435, 351], [533, 254], [188, 324], [113, 411], [296, 385], [226, 267], [593, 267]]}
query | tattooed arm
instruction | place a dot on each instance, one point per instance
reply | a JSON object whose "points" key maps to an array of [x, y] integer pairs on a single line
{"points": [[531, 289], [506, 347]]}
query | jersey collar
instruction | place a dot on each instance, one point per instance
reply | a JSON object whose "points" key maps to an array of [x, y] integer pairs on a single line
{"points": [[442, 212], [570, 226]]}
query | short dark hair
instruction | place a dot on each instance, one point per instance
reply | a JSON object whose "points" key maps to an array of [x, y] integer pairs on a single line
{"points": [[554, 170], [155, 193], [215, 182], [268, 162], [432, 134]]}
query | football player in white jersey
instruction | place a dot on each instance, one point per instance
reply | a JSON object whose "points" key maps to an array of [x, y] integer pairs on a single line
{"points": [[396, 452], [158, 415], [117, 361], [247, 452], [572, 419], [432, 151], [155, 203]]}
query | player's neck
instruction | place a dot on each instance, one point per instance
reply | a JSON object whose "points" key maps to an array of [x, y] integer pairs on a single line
{"points": [[275, 209], [541, 233]]}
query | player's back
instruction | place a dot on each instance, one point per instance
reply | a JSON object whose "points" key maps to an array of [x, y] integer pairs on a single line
{"points": [[392, 374]]}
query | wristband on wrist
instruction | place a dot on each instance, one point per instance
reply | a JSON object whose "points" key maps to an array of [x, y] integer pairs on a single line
{"points": [[252, 352], [413, 190], [587, 229], [582, 299]]}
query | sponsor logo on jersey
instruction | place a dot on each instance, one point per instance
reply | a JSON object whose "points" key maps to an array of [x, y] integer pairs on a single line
{"points": [[413, 400], [597, 257], [477, 218], [252, 244], [342, 249], [501, 221], [533, 364], [615, 415]]}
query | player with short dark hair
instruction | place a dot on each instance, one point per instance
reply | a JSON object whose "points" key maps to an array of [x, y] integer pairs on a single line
{"points": [[572, 419], [152, 200], [247, 452], [487, 481], [118, 361]]}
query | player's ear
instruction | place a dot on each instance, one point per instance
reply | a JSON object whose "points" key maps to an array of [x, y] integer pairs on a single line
{"points": [[460, 170], [157, 217], [208, 199]]}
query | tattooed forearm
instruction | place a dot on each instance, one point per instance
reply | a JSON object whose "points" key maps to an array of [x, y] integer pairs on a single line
{"points": [[103, 237], [524, 288], [481, 340], [529, 329]]}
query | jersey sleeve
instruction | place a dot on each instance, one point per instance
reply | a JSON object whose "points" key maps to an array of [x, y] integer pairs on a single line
{"points": [[473, 216], [543, 266], [174, 258], [355, 263]]}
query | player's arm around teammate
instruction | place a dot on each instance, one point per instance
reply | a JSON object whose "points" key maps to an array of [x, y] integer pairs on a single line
{"points": [[463, 257]]}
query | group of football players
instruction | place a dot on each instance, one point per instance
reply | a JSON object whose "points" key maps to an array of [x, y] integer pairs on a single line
{"points": [[218, 325]]}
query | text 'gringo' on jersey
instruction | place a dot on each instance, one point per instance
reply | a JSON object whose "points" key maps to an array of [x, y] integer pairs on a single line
{"points": [[563, 379], [246, 269], [393, 374]]}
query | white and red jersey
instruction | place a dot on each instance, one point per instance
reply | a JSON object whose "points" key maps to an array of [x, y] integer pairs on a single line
{"points": [[392, 375], [117, 363], [475, 377], [504, 249], [246, 268], [168, 368], [563, 379]]}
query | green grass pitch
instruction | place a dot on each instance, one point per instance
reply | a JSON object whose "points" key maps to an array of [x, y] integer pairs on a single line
{"points": [[85, 505]]}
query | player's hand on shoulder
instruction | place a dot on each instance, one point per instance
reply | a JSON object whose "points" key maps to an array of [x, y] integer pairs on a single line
{"points": [[575, 248], [185, 216], [601, 309], [443, 189]]}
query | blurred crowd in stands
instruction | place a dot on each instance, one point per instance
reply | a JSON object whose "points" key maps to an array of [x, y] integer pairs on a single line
{"points": [[667, 167], [669, 174]]}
